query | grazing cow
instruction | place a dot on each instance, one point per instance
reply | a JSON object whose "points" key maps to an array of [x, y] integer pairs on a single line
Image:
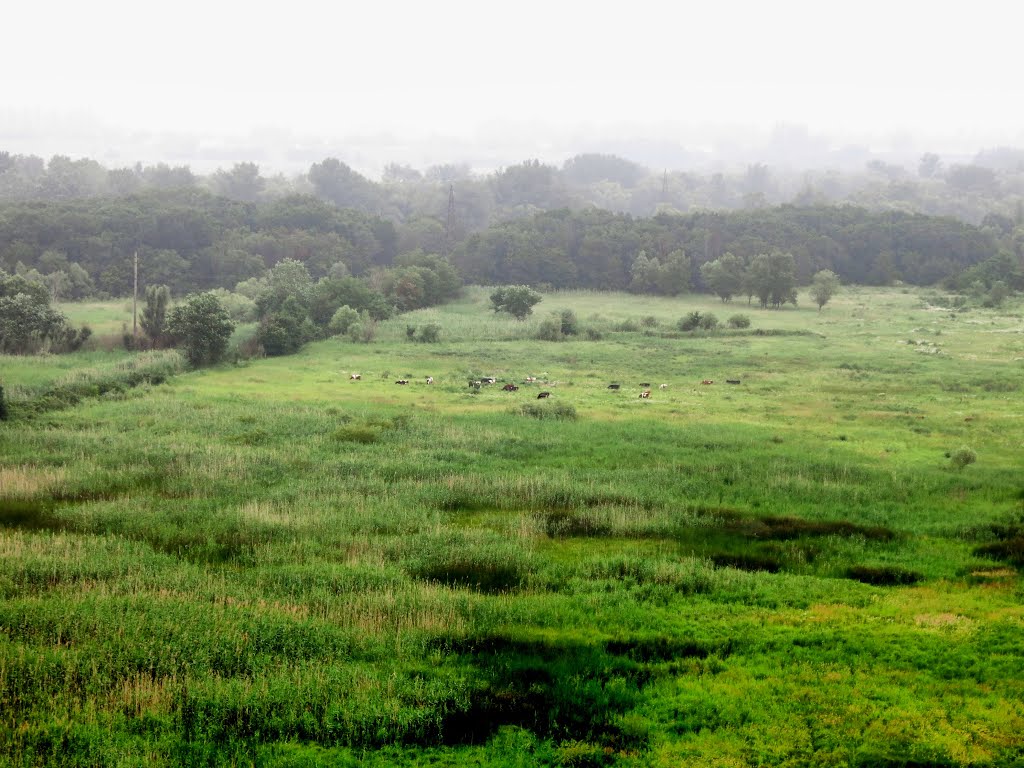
{"points": [[510, 388], [543, 395], [663, 386], [614, 386], [355, 377], [732, 381], [402, 381], [474, 384], [530, 380], [645, 383], [708, 381], [430, 379], [645, 394], [489, 380]]}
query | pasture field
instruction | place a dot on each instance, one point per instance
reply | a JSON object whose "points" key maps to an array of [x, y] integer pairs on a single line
{"points": [[270, 563]]}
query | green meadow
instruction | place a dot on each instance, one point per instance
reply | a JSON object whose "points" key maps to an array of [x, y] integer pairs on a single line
{"points": [[271, 563]]}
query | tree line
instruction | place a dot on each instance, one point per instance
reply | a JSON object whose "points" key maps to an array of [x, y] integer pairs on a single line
{"points": [[666, 253]]}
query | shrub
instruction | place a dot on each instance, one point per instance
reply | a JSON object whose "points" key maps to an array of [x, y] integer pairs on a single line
{"points": [[570, 326], [649, 322], [593, 334], [202, 326], [550, 329], [343, 317], [429, 333], [962, 456], [690, 322], [739, 321], [708, 322]]}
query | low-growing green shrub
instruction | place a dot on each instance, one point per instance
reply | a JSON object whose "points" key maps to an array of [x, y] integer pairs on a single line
{"points": [[739, 321], [962, 456], [689, 322]]}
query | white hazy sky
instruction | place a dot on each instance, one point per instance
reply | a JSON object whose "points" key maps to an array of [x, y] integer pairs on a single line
{"points": [[942, 73]]}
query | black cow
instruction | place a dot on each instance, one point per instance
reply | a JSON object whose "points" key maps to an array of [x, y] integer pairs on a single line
{"points": [[543, 395], [402, 381], [732, 381], [645, 383], [614, 386]]}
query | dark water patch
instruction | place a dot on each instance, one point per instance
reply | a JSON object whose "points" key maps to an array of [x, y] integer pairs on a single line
{"points": [[883, 575], [558, 688], [478, 573], [1009, 551], [1005, 540], [29, 515], [771, 528]]}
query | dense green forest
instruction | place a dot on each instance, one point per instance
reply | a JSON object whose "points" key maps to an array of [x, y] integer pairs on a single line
{"points": [[190, 239], [294, 254]]}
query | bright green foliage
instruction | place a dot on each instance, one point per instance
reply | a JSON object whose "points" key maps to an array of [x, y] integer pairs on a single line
{"points": [[342, 318], [28, 322], [284, 331], [823, 287], [963, 456], [202, 327], [517, 300], [772, 278], [723, 276], [294, 568]]}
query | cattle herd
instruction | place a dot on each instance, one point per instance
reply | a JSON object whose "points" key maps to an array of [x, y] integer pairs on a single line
{"points": [[476, 384]]}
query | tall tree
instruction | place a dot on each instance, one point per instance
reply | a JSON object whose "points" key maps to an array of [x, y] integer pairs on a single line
{"points": [[517, 300], [823, 287], [203, 327], [154, 314]]}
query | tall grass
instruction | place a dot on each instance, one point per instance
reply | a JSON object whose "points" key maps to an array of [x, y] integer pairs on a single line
{"points": [[270, 563]]}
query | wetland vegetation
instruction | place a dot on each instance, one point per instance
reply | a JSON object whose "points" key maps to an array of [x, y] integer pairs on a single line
{"points": [[268, 562]]}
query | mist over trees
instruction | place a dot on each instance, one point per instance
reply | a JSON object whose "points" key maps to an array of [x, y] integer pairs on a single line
{"points": [[599, 221]]}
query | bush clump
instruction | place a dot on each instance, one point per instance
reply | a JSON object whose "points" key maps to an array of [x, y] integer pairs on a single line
{"points": [[739, 321], [698, 321], [962, 456]]}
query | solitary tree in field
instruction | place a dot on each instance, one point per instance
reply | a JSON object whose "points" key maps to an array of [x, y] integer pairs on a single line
{"points": [[154, 314], [517, 300], [823, 287], [203, 328]]}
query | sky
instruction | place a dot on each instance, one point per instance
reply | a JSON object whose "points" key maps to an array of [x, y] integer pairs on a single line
{"points": [[205, 81]]}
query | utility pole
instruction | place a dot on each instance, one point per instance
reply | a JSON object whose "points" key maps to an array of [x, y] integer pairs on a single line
{"points": [[450, 223], [135, 299]]}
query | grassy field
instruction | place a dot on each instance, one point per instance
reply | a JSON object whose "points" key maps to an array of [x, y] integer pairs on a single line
{"points": [[270, 563]]}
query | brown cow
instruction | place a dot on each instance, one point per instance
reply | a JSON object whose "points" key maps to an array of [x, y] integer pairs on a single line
{"points": [[510, 388], [708, 381], [645, 394]]}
